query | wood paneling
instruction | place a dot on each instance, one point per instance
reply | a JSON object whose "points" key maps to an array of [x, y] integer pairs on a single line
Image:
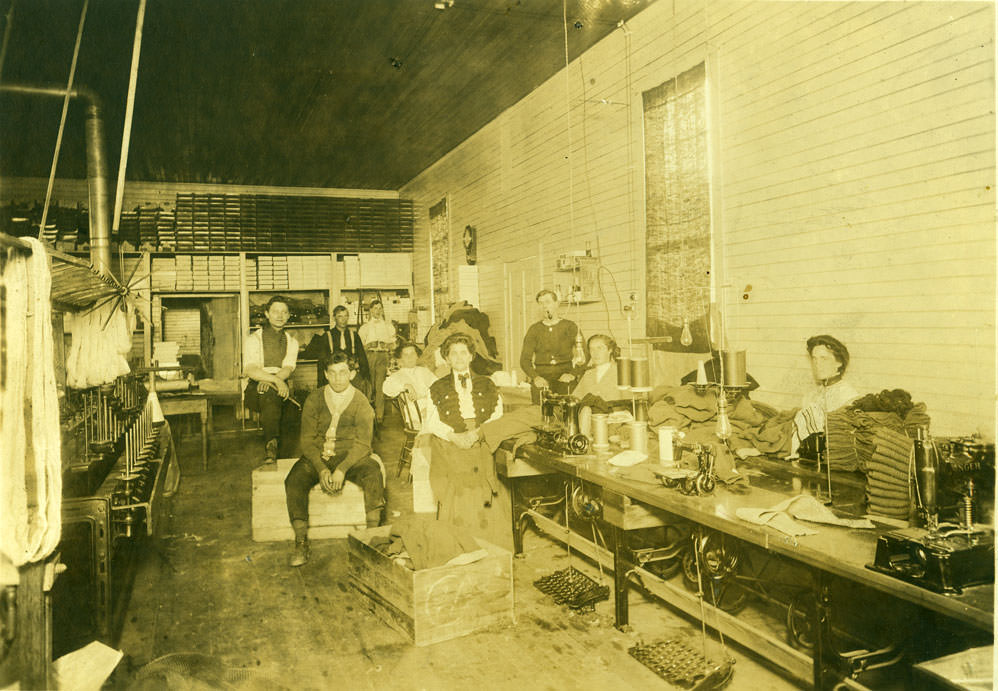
{"points": [[855, 187]]}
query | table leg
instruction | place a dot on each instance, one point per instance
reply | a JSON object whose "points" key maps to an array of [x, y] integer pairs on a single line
{"points": [[517, 513], [621, 566], [823, 607], [205, 414]]}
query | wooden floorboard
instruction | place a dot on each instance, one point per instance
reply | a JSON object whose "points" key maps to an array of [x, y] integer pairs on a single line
{"points": [[207, 589]]}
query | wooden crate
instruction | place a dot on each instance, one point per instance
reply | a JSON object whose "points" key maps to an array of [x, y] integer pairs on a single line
{"points": [[435, 604], [329, 516]]}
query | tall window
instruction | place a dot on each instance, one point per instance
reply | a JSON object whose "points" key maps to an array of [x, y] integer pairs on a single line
{"points": [[677, 191], [440, 257]]}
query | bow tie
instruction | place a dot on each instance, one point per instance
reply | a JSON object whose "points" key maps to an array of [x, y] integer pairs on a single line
{"points": [[464, 379]]}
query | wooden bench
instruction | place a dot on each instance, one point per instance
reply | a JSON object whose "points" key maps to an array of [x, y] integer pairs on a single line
{"points": [[330, 516]]}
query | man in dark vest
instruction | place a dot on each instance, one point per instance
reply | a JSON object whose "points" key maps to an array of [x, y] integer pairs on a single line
{"points": [[340, 339], [269, 357]]}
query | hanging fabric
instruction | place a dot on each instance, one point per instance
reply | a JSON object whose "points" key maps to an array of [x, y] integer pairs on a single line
{"points": [[30, 443]]}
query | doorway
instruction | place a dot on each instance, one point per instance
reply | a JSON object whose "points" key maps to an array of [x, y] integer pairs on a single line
{"points": [[521, 281]]}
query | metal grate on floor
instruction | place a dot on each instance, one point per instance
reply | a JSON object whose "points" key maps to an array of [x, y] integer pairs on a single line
{"points": [[681, 665], [573, 588]]}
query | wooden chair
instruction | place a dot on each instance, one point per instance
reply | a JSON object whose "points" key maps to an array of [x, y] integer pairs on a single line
{"points": [[412, 421]]}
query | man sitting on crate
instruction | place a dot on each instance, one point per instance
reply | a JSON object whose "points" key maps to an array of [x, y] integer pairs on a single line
{"points": [[336, 428], [269, 357]]}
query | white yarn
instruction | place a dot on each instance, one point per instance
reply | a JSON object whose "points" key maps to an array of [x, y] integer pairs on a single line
{"points": [[98, 353], [30, 473]]}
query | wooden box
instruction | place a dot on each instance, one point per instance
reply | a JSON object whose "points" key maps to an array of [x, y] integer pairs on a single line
{"points": [[329, 516], [435, 604]]}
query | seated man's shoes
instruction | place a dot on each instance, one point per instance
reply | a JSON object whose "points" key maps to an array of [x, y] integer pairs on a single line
{"points": [[301, 553], [270, 453]]}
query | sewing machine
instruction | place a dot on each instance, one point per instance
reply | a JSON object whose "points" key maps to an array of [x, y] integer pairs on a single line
{"points": [[559, 431], [950, 551]]}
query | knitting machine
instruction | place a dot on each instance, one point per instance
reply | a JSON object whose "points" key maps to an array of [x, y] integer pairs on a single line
{"points": [[560, 429], [952, 551], [115, 466]]}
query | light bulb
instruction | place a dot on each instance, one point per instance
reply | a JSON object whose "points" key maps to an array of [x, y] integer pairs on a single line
{"points": [[686, 338], [578, 352], [723, 430]]}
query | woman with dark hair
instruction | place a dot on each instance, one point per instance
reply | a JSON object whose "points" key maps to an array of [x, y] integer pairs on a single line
{"points": [[601, 377], [598, 384], [829, 358], [411, 377], [462, 473]]}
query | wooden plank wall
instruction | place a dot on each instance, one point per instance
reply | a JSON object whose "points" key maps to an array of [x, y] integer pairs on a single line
{"points": [[854, 187]]}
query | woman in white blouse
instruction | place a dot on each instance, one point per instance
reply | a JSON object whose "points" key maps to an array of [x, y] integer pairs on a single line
{"points": [[600, 380]]}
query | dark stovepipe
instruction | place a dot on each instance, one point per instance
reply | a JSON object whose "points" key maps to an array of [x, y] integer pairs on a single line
{"points": [[100, 215]]}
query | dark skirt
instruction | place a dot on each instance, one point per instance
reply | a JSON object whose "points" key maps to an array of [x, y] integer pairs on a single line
{"points": [[469, 494]]}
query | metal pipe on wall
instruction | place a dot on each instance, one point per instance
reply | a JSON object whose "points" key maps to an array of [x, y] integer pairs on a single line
{"points": [[100, 215]]}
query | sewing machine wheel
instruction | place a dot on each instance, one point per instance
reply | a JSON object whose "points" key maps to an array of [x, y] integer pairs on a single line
{"points": [[705, 484], [578, 444], [802, 620], [584, 505], [719, 557]]}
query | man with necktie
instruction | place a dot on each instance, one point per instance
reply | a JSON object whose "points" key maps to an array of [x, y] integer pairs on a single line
{"points": [[340, 338]]}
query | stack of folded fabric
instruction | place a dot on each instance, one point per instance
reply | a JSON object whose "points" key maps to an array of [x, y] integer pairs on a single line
{"points": [[888, 489]]}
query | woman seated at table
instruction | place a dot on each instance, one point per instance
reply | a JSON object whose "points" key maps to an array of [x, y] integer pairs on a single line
{"points": [[829, 359], [462, 474], [598, 384]]}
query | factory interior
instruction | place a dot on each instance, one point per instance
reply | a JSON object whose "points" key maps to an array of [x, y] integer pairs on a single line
{"points": [[510, 344]]}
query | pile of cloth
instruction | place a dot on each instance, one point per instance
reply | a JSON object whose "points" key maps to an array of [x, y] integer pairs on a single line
{"points": [[851, 430], [753, 424], [463, 318], [888, 474], [421, 542]]}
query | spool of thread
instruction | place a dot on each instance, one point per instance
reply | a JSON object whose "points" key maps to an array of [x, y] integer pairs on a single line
{"points": [[734, 367], [601, 438], [639, 437], [623, 373], [701, 374], [640, 380], [665, 453]]}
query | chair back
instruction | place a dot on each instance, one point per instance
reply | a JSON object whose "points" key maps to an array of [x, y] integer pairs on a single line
{"points": [[409, 411]]}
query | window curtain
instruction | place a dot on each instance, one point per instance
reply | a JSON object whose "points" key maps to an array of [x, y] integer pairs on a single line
{"points": [[440, 256], [677, 196]]}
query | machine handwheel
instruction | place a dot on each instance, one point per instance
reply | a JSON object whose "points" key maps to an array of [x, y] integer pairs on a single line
{"points": [[578, 444], [802, 620], [705, 484]]}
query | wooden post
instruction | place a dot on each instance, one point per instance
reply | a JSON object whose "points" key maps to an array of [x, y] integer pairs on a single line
{"points": [[33, 635]]}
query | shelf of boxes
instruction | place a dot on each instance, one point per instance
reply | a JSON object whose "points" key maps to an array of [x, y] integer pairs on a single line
{"points": [[195, 273]]}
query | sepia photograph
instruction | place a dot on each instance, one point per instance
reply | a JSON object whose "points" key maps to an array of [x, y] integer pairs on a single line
{"points": [[423, 345]]}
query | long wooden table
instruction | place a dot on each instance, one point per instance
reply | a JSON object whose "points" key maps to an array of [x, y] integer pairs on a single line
{"points": [[839, 551]]}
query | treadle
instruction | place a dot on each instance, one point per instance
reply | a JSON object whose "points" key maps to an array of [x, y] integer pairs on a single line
{"points": [[573, 588], [681, 665]]}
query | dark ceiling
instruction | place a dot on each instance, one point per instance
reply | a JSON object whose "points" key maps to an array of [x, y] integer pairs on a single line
{"points": [[311, 93]]}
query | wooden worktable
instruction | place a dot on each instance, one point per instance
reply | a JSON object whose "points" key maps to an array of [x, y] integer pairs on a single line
{"points": [[844, 552]]}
